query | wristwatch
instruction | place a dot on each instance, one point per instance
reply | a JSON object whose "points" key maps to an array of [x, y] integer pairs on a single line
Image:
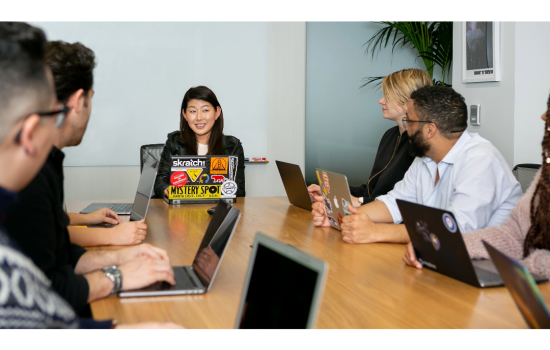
{"points": [[113, 273], [360, 199]]}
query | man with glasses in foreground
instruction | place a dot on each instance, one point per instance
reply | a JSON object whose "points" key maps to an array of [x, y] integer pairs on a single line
{"points": [[453, 170], [38, 223]]}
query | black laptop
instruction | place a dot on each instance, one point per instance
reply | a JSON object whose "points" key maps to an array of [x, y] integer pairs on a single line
{"points": [[295, 185], [439, 246], [523, 289], [138, 209]]}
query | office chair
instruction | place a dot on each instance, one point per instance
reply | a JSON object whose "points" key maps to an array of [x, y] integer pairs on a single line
{"points": [[525, 173], [150, 155]]}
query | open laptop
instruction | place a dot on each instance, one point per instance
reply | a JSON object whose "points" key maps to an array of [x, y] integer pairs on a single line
{"points": [[335, 190], [138, 209], [203, 179], [523, 289], [283, 287], [295, 185], [439, 246], [198, 278]]}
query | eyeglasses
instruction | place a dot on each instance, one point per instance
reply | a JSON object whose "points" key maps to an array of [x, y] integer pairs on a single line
{"points": [[59, 115], [406, 121]]}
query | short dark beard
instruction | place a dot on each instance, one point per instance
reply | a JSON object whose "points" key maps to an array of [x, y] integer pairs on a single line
{"points": [[418, 145]]}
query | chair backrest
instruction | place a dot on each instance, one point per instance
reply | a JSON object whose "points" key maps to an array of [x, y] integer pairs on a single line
{"points": [[150, 154], [525, 173]]}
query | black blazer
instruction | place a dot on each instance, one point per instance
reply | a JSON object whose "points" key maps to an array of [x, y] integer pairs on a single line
{"points": [[174, 146], [383, 180]]}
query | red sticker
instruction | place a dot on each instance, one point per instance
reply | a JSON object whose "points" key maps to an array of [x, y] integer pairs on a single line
{"points": [[218, 178], [178, 179], [325, 179], [339, 219]]}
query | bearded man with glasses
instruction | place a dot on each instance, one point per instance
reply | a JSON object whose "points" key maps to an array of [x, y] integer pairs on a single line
{"points": [[453, 170]]}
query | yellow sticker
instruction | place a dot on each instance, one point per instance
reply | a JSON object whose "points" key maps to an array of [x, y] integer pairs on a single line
{"points": [[195, 192], [218, 165], [194, 173], [320, 183]]}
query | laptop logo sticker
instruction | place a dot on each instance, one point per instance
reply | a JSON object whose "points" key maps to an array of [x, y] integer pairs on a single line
{"points": [[204, 178], [435, 241], [178, 179], [194, 173], [229, 188], [450, 224], [422, 229], [218, 166], [325, 180], [218, 178]]}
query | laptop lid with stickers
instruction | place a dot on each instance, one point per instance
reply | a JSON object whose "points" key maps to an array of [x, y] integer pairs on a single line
{"points": [[203, 179], [335, 191]]}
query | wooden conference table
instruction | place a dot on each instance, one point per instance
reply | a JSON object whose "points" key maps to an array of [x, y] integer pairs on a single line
{"points": [[368, 285]]}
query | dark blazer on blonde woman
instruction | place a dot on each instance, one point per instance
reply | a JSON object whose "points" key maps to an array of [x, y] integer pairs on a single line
{"points": [[174, 146]]}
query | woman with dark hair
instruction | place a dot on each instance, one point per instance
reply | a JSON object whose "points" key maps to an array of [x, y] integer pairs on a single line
{"points": [[201, 133], [525, 236]]}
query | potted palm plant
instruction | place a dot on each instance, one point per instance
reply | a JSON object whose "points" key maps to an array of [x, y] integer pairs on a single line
{"points": [[433, 41]]}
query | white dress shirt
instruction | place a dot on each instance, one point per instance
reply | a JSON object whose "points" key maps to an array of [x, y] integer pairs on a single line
{"points": [[475, 184]]}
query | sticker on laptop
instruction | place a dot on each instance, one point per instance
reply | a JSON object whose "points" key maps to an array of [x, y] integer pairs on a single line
{"points": [[178, 179], [333, 222], [328, 206], [325, 181], [336, 203], [218, 166], [345, 204], [218, 178], [435, 241], [339, 219], [204, 178], [422, 228], [229, 188], [194, 174], [450, 224]]}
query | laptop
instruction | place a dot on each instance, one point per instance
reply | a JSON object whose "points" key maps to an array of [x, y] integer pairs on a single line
{"points": [[138, 209], [199, 277], [295, 185], [283, 287], [335, 191], [523, 289], [202, 179], [439, 246]]}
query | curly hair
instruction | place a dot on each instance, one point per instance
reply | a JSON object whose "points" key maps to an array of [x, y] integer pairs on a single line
{"points": [[444, 107], [72, 66], [538, 236]]}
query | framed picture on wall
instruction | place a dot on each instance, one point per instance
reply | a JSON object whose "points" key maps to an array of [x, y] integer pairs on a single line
{"points": [[480, 52]]}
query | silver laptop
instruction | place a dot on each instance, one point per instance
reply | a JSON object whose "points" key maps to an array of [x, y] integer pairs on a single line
{"points": [[283, 287], [138, 209], [335, 190], [198, 278], [295, 185]]}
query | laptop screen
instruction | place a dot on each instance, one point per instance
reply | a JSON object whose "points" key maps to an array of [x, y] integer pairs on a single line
{"points": [[144, 192], [280, 293], [214, 242]]}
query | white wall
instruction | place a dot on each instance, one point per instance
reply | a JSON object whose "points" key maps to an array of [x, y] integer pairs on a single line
{"points": [[285, 135], [511, 108]]}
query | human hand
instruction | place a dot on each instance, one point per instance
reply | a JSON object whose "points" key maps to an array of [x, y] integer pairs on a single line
{"points": [[314, 190], [410, 257], [358, 228], [145, 249], [103, 216], [207, 261], [144, 271], [319, 213], [129, 233], [149, 325], [355, 202], [166, 192]]}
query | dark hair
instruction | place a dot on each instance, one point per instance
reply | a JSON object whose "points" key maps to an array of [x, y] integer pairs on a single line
{"points": [[538, 235], [444, 107], [215, 142], [23, 74], [72, 66]]}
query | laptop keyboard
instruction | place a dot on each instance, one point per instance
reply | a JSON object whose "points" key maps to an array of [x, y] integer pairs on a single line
{"points": [[121, 207], [487, 276], [183, 280]]}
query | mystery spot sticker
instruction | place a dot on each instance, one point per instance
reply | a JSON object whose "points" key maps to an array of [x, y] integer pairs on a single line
{"points": [[178, 179], [229, 188]]}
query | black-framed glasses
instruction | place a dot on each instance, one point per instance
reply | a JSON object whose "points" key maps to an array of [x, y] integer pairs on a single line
{"points": [[406, 121], [59, 116]]}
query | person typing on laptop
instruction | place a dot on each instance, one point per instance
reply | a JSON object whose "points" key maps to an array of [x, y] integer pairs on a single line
{"points": [[525, 236], [39, 225], [29, 116], [453, 170]]}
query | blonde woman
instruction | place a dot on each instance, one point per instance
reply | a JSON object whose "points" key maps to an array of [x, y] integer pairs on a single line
{"points": [[392, 159]]}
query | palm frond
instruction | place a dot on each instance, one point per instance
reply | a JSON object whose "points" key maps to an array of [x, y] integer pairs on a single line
{"points": [[370, 80]]}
